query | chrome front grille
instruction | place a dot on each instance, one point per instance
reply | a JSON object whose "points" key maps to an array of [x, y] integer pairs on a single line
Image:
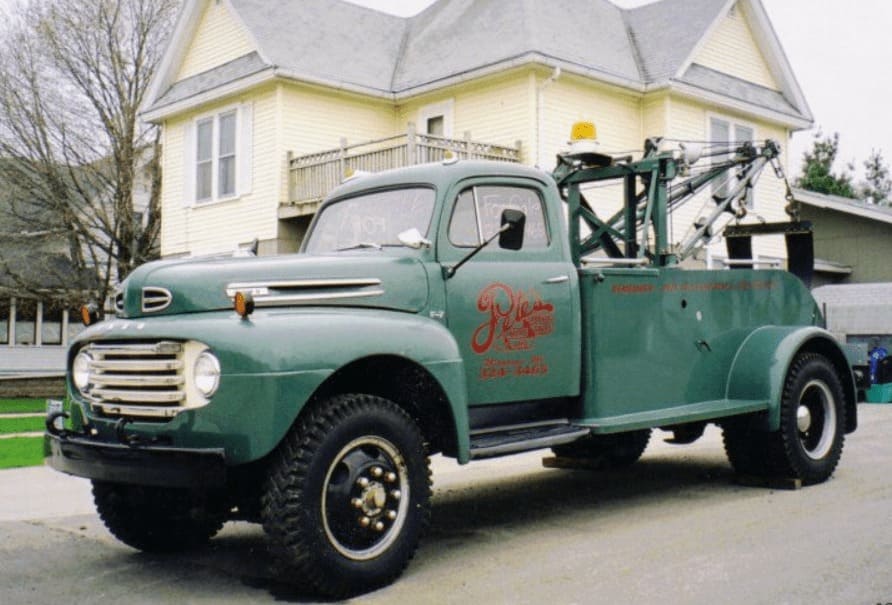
{"points": [[139, 379]]}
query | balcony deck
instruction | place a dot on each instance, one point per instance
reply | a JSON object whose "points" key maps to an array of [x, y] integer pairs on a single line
{"points": [[312, 176]]}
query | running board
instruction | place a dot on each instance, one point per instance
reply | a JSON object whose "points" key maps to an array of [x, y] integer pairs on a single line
{"points": [[515, 439]]}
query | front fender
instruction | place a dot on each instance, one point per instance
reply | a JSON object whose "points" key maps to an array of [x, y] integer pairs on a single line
{"points": [[762, 362], [273, 362]]}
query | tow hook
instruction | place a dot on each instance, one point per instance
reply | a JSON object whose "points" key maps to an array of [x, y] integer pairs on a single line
{"points": [[134, 440], [51, 426]]}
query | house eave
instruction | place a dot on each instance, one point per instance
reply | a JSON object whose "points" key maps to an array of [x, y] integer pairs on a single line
{"points": [[694, 92], [523, 60]]}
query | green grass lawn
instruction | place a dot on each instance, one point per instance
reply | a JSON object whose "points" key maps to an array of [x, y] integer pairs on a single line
{"points": [[21, 425], [22, 406], [17, 452]]}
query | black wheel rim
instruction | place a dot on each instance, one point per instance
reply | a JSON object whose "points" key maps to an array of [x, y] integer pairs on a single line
{"points": [[365, 498]]}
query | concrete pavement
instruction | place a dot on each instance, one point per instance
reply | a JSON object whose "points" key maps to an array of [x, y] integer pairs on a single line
{"points": [[674, 528]]}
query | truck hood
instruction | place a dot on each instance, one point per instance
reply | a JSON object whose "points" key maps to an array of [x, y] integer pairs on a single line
{"points": [[186, 286]]}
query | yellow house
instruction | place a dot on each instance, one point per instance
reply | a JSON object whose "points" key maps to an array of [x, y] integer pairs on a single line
{"points": [[264, 103]]}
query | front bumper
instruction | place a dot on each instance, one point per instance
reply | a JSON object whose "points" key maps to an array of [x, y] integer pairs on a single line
{"points": [[137, 464]]}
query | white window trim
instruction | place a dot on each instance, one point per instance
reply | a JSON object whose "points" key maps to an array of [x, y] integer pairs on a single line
{"points": [[433, 110], [732, 123], [243, 156]]}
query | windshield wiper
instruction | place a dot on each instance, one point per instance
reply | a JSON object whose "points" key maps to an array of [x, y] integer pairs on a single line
{"points": [[361, 245]]}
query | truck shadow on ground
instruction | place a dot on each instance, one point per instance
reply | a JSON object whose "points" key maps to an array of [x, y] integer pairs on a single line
{"points": [[467, 515]]}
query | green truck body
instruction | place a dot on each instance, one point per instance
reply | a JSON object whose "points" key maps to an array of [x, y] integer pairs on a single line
{"points": [[516, 349]]}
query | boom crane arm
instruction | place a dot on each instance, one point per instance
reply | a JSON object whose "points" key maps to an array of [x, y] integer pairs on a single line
{"points": [[639, 233]]}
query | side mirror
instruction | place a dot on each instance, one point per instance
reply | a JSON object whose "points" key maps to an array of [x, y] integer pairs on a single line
{"points": [[511, 233], [412, 238]]}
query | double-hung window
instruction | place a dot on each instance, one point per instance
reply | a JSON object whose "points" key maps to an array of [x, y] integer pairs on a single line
{"points": [[724, 130], [218, 156]]}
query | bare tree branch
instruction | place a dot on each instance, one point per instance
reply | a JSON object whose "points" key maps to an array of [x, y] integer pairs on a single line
{"points": [[73, 75]]}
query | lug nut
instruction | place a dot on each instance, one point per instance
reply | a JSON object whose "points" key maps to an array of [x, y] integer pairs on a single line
{"points": [[391, 514], [365, 521], [356, 502], [362, 482], [396, 494], [379, 526], [390, 477], [377, 472]]}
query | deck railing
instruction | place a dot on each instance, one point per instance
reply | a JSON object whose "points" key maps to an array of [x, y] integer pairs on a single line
{"points": [[312, 176]]}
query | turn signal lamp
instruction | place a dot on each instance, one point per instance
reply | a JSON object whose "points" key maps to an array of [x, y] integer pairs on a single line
{"points": [[89, 314], [244, 304]]}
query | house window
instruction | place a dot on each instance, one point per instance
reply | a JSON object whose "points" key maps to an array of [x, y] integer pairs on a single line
{"points": [[204, 158], [51, 326], [226, 173], [221, 155], [4, 320], [436, 119], [435, 126], [25, 322], [722, 130]]}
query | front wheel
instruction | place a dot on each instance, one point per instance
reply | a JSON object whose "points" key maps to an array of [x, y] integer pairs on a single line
{"points": [[348, 495], [157, 519]]}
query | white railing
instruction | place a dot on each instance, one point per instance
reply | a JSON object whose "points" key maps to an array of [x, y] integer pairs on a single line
{"points": [[312, 176]]}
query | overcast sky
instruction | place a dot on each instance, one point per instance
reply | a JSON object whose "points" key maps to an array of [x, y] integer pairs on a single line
{"points": [[840, 53]]}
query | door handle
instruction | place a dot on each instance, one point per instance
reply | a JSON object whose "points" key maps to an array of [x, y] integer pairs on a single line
{"points": [[560, 279]]}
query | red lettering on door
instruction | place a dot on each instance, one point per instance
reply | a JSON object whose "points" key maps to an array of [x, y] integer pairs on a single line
{"points": [[514, 319]]}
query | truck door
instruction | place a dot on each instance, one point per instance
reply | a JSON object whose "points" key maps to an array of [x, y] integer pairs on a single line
{"points": [[513, 312]]}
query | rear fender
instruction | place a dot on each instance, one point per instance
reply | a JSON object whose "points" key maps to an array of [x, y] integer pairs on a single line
{"points": [[762, 362]]}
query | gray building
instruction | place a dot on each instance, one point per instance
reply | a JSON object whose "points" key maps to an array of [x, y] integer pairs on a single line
{"points": [[853, 240]]}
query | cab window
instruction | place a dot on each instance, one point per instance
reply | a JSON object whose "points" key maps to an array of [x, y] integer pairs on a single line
{"points": [[477, 215]]}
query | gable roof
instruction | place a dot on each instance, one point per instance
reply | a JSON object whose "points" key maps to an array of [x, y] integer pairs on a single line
{"points": [[342, 45]]}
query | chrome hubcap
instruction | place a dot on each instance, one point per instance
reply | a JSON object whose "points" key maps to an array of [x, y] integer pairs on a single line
{"points": [[803, 418]]}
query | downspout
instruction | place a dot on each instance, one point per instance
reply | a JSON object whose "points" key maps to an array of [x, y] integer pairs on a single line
{"points": [[540, 114]]}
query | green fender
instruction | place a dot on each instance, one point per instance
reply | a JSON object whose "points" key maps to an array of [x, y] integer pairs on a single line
{"points": [[273, 362], [324, 341], [762, 362]]}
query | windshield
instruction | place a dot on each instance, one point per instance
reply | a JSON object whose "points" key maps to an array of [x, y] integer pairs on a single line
{"points": [[371, 220]]}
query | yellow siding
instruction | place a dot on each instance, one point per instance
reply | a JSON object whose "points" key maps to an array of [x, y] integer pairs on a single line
{"points": [[216, 227], [733, 50], [655, 117], [220, 38], [312, 119], [493, 110]]}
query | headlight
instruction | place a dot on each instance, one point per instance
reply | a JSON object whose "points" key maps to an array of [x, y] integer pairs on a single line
{"points": [[207, 373], [80, 370]]}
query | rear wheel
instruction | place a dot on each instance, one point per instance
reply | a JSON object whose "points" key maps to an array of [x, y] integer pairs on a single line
{"points": [[348, 497], [812, 431], [809, 443], [607, 451], [156, 519]]}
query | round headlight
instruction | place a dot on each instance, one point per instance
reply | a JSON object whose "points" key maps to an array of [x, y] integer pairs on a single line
{"points": [[80, 370], [207, 373]]}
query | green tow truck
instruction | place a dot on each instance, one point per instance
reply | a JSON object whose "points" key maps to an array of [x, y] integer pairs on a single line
{"points": [[473, 309]]}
